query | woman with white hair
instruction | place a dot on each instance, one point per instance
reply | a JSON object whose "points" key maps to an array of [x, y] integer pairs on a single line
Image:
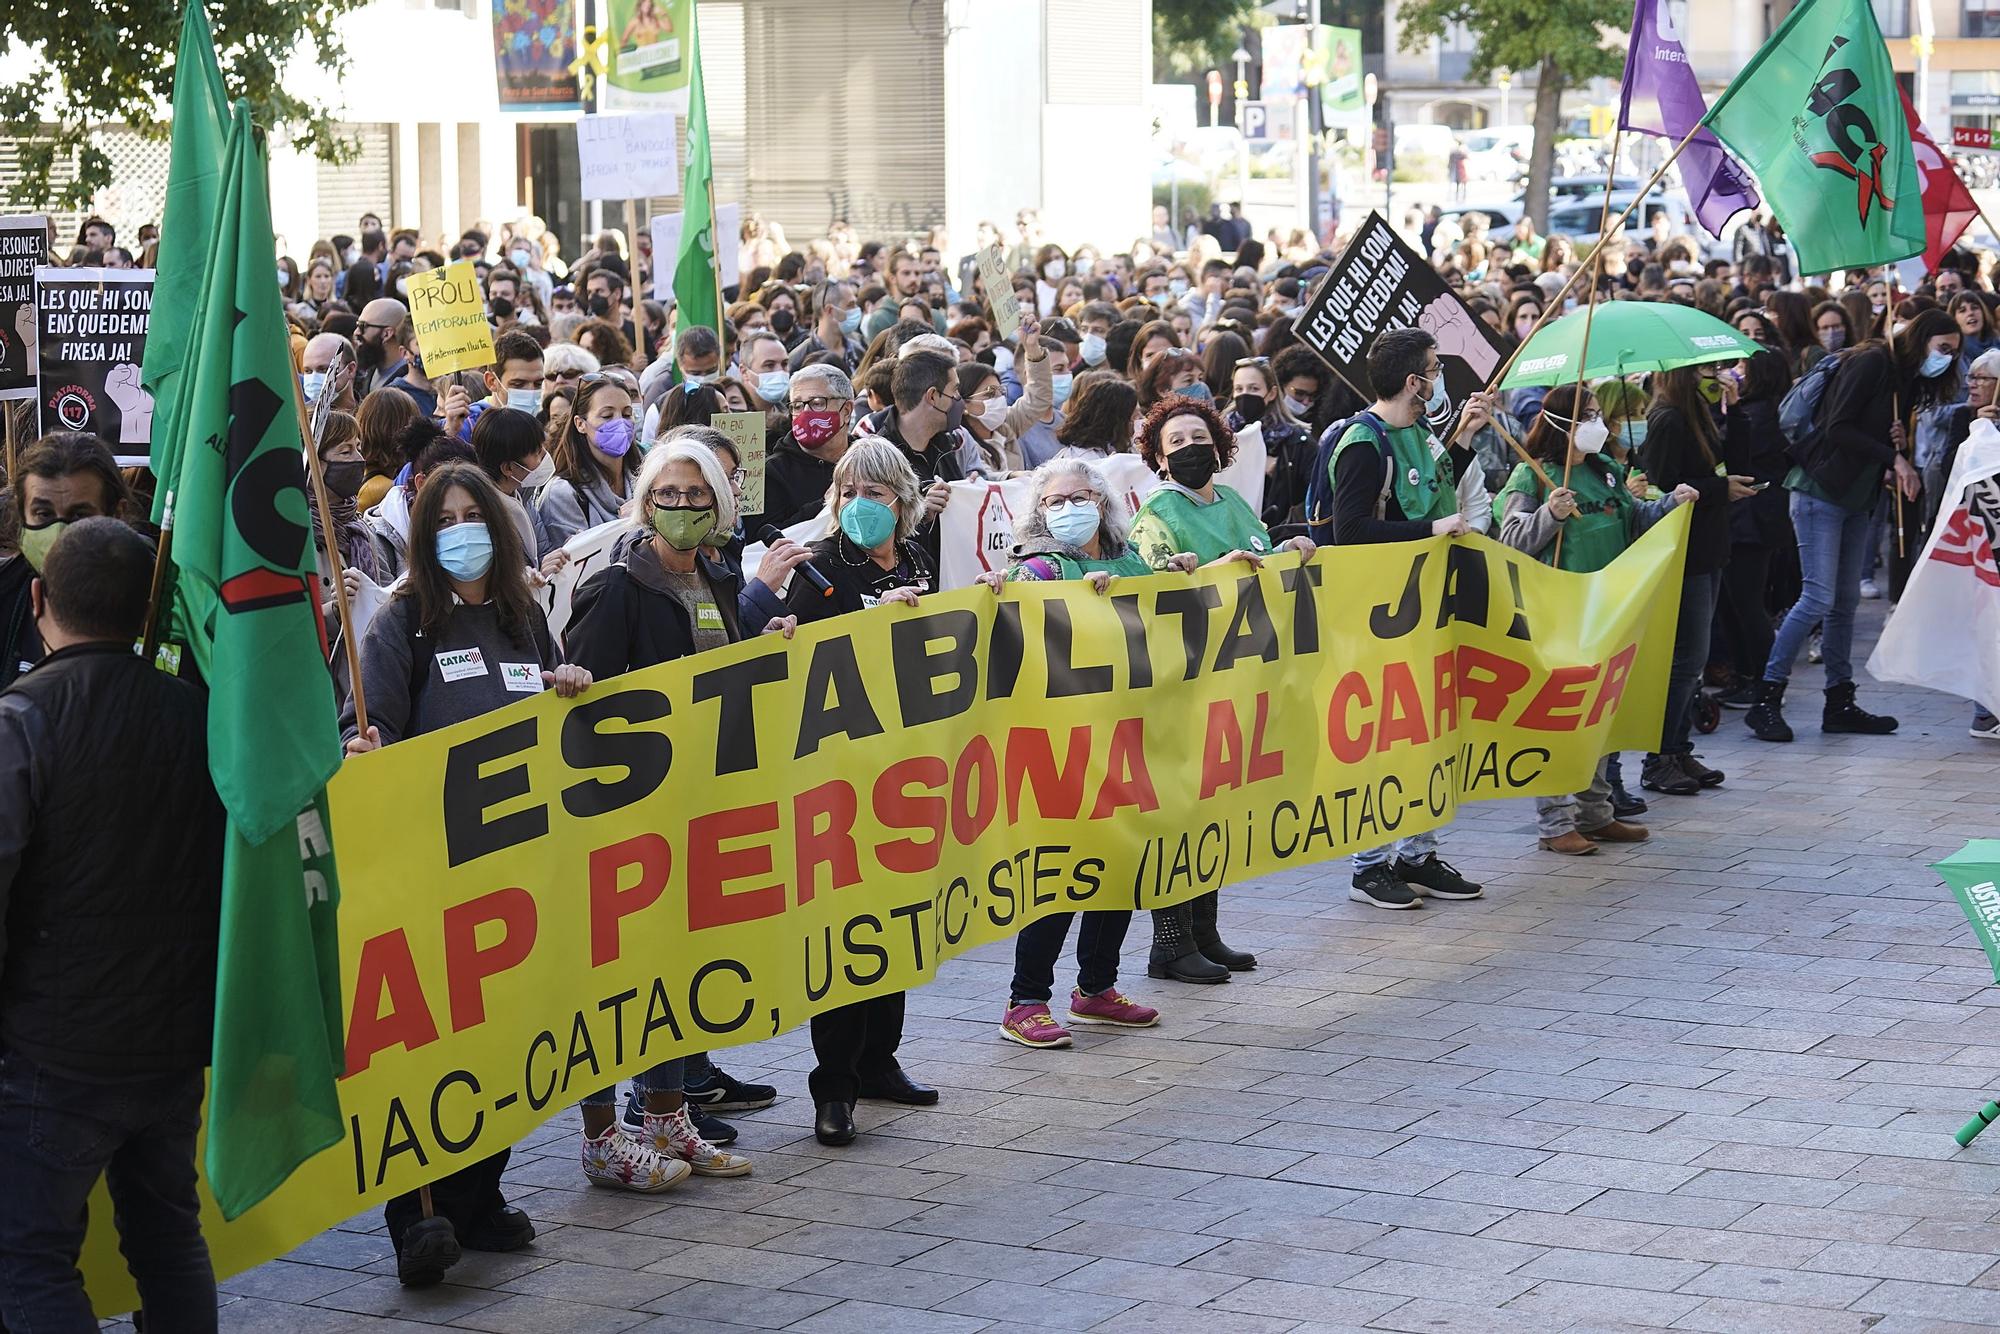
{"points": [[666, 594], [1077, 528], [871, 561]]}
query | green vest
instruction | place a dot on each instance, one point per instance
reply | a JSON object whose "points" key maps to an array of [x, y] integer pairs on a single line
{"points": [[1209, 531], [1425, 487], [1031, 568], [1601, 528]]}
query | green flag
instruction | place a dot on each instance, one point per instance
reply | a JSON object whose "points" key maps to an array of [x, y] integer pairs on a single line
{"points": [[1816, 115], [242, 541], [697, 295], [194, 177]]}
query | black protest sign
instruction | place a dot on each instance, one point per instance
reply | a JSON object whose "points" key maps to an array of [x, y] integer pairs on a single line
{"points": [[1380, 283], [24, 244], [91, 325]]}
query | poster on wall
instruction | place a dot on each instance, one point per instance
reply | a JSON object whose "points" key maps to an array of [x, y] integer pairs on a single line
{"points": [[91, 328], [534, 45], [24, 244], [650, 50]]}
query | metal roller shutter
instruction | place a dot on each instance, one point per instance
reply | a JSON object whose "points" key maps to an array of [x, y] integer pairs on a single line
{"points": [[722, 77], [1099, 51], [365, 185], [870, 147]]}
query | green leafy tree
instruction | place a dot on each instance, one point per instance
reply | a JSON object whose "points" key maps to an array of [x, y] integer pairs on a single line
{"points": [[1561, 40], [1190, 36], [103, 61]]}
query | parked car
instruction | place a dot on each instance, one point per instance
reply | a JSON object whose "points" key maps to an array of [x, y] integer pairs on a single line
{"points": [[1498, 152]]}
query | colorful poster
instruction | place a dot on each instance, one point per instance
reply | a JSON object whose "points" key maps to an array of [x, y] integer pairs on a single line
{"points": [[1341, 89], [534, 45], [649, 45], [24, 244], [90, 325]]}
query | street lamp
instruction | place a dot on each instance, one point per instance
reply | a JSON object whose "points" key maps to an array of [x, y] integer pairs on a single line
{"points": [[1505, 78], [1242, 59]]}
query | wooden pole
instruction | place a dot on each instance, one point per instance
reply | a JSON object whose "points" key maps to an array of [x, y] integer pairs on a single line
{"points": [[1555, 302], [1895, 482], [1589, 314], [149, 643], [13, 449], [333, 563]]}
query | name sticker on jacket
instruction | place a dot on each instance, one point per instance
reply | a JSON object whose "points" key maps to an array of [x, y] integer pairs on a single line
{"points": [[460, 663], [523, 678], [708, 616]]}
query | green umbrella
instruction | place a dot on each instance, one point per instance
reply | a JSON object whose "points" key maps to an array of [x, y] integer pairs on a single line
{"points": [[1973, 872], [1626, 338]]}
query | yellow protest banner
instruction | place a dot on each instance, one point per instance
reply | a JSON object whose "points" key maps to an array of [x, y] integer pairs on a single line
{"points": [[450, 319], [541, 900]]}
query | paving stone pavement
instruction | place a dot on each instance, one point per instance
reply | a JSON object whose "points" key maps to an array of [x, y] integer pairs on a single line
{"points": [[1705, 1083]]}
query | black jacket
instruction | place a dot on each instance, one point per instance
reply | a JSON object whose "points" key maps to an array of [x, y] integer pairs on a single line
{"points": [[1754, 446], [20, 642], [795, 486], [1854, 417], [620, 623], [110, 866], [1672, 454], [857, 580]]}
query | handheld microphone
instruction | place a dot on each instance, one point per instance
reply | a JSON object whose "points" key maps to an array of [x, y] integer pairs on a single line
{"points": [[770, 533]]}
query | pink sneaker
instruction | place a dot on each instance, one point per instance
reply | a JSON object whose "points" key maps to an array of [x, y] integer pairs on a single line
{"points": [[1108, 1007], [1032, 1025]]}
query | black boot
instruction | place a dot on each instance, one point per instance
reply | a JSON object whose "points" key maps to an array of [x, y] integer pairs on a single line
{"points": [[1842, 714], [1174, 954], [1765, 718], [1209, 941]]}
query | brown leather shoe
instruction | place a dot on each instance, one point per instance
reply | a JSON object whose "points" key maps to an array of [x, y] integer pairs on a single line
{"points": [[1619, 832], [1571, 844]]}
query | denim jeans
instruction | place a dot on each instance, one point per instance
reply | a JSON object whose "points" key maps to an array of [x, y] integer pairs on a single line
{"points": [[58, 1135], [1040, 943], [664, 1077], [1412, 849], [1572, 812], [1690, 658], [1833, 544]]}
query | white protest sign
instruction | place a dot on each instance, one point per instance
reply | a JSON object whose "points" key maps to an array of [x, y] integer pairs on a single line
{"points": [[589, 551], [667, 246], [627, 157], [978, 521]]}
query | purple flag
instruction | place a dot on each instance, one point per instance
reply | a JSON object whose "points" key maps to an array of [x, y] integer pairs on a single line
{"points": [[1662, 97]]}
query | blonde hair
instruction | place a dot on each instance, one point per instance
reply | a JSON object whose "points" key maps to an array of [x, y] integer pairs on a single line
{"points": [[639, 508], [872, 459]]}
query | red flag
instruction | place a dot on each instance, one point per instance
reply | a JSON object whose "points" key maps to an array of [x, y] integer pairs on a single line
{"points": [[1948, 206]]}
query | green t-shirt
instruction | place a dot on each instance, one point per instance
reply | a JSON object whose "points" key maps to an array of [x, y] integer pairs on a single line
{"points": [[1859, 498], [1424, 485], [1044, 566], [1601, 528], [1174, 520]]}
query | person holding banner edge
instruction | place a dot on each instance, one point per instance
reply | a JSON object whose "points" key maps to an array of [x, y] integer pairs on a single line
{"points": [[1077, 528], [1190, 513], [872, 558], [1398, 487], [460, 637]]}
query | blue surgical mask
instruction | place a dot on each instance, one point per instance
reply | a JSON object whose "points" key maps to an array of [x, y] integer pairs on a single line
{"points": [[1177, 286], [867, 523], [465, 550], [1936, 364], [1197, 391], [850, 320], [697, 381], [773, 385], [1439, 399], [1092, 348], [314, 384], [1059, 386], [1073, 524], [1634, 432], [526, 400]]}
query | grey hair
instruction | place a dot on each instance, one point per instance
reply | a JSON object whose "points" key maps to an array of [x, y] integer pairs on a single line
{"points": [[562, 358], [930, 342], [1986, 363], [562, 329], [872, 459], [1114, 519], [837, 383], [639, 509]]}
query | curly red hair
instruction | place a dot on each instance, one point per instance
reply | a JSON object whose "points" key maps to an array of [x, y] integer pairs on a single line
{"points": [[1179, 405]]}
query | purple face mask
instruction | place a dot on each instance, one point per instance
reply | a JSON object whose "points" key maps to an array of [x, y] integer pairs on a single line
{"points": [[614, 437]]}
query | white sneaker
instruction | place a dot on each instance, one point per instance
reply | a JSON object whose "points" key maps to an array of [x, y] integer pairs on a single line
{"points": [[1986, 733], [674, 1137], [623, 1162], [1870, 589], [1813, 650]]}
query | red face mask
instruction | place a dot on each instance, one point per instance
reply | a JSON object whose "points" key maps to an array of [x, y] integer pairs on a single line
{"points": [[813, 429]]}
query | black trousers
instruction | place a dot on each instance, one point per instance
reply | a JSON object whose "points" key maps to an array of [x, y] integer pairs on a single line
{"points": [[1747, 625], [854, 1043], [468, 1197]]}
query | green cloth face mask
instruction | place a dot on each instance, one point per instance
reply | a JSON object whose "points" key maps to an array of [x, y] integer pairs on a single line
{"points": [[36, 542], [684, 529]]}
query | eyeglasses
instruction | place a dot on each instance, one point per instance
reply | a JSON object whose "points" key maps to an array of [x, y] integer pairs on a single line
{"points": [[820, 403], [739, 476], [1057, 502], [672, 497]]}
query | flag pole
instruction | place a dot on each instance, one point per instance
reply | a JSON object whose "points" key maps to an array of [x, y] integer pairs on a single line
{"points": [[150, 641], [1895, 482], [13, 461], [1589, 314], [334, 563], [1556, 301]]}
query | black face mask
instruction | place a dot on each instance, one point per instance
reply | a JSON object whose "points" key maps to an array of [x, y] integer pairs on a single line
{"points": [[1192, 466], [1251, 407], [503, 309], [600, 306], [782, 321], [345, 476]]}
